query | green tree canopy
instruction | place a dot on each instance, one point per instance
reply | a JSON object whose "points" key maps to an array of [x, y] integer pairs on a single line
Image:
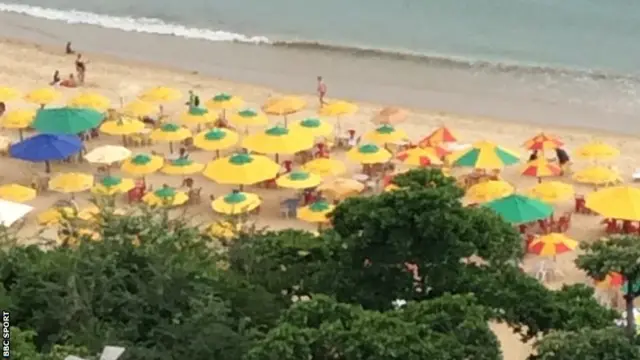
{"points": [[586, 344]]}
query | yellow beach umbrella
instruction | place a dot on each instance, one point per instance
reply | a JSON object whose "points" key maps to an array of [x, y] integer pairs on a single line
{"points": [[299, 180], [75, 236], [325, 167], [216, 139], [224, 101], [108, 154], [8, 94], [170, 133], [139, 108], [242, 169], [165, 196], [18, 119], [284, 106], [43, 96], [385, 134], [111, 185], [317, 212], [489, 191], [341, 188], [182, 166], [369, 154], [315, 127], [160, 94], [142, 164], [236, 203], [197, 116], [248, 118], [338, 108], [71, 182], [551, 191], [552, 244], [597, 175], [391, 187], [122, 127], [597, 151], [223, 229], [484, 155], [419, 157], [91, 100], [619, 202], [278, 140], [55, 215], [17, 193]]}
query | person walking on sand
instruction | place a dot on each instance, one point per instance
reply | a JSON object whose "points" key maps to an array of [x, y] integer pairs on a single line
{"points": [[194, 100], [322, 91], [81, 68]]}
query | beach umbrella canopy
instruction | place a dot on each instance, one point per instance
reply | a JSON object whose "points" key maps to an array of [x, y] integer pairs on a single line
{"points": [[284, 105], [165, 196], [325, 167], [170, 132], [421, 157], [236, 203], [196, 116], [122, 127], [597, 151], [139, 108], [368, 154], [540, 167], [341, 188], [91, 100], [182, 166], [8, 94], [278, 140], [18, 119], [71, 182], [552, 244], [484, 155], [17, 193], [299, 180], [142, 164], [317, 212], [248, 117], [551, 191], [385, 134], [315, 127], [390, 115], [612, 280], [66, 120], [43, 96], [619, 202], [46, 147], [223, 230], [160, 94], [518, 209], [108, 154], [489, 191], [439, 136], [10, 212], [111, 185], [338, 108], [216, 139], [597, 175], [224, 101], [242, 169], [543, 142]]}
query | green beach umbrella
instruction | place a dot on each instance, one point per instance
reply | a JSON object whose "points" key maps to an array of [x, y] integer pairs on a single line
{"points": [[518, 209], [66, 120], [484, 155], [224, 101]]}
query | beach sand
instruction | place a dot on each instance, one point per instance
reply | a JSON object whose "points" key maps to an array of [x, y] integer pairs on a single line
{"points": [[28, 66]]}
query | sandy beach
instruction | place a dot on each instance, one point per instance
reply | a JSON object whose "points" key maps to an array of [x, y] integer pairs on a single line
{"points": [[29, 66]]}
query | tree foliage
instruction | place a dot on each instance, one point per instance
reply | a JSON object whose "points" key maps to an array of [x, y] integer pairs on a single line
{"points": [[587, 344]]}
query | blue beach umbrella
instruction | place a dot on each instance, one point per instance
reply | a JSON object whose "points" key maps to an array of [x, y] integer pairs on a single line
{"points": [[45, 147]]}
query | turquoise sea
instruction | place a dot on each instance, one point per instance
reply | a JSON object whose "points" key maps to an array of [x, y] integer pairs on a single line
{"points": [[580, 53]]}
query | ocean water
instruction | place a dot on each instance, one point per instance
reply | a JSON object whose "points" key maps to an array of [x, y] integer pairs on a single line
{"points": [[573, 61]]}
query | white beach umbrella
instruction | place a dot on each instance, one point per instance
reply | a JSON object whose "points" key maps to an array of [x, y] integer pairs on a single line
{"points": [[109, 353], [10, 212], [108, 154]]}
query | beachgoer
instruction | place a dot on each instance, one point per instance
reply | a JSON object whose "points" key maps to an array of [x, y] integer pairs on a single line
{"points": [[70, 82], [183, 154], [194, 100], [68, 49], [3, 108], [322, 90], [56, 78], [563, 157], [81, 68], [534, 155]]}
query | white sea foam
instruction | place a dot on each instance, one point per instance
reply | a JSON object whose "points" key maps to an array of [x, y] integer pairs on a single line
{"points": [[142, 25]]}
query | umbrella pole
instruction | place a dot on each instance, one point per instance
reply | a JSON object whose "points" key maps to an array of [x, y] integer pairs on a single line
{"points": [[217, 154], [47, 167], [241, 188], [285, 120], [278, 158], [171, 147], [20, 134]]}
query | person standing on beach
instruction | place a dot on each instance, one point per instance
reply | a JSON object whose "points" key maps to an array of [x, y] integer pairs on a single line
{"points": [[81, 68], [322, 91], [194, 100]]}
